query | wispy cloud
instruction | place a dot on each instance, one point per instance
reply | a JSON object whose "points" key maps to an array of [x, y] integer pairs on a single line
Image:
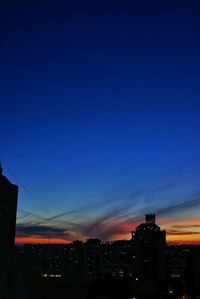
{"points": [[180, 233], [28, 230], [103, 227], [182, 226], [179, 207]]}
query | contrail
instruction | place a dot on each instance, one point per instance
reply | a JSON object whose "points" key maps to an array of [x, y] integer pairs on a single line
{"points": [[179, 207]]}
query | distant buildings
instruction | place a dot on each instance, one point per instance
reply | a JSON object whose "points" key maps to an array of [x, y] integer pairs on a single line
{"points": [[192, 274], [143, 267], [94, 270]]}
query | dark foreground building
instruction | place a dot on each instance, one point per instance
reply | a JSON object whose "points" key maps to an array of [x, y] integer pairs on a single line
{"points": [[8, 210], [10, 285]]}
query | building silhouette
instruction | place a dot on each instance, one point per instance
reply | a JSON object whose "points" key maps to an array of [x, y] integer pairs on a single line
{"points": [[149, 248], [8, 210], [10, 276]]}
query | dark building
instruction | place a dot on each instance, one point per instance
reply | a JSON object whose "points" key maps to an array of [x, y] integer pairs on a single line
{"points": [[176, 259], [93, 260], [8, 210], [149, 248], [192, 274], [11, 285]]}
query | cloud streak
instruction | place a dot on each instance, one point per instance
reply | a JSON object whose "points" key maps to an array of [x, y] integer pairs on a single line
{"points": [[28, 230], [173, 232], [179, 207], [182, 226]]}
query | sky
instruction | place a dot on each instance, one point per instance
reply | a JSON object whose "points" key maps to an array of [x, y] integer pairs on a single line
{"points": [[100, 123]]}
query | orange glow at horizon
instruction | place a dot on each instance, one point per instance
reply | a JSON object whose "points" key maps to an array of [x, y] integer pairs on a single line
{"points": [[184, 239], [176, 240], [32, 240]]}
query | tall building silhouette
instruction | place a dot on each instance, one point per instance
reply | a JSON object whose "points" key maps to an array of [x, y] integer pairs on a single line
{"points": [[11, 285], [8, 210], [149, 248]]}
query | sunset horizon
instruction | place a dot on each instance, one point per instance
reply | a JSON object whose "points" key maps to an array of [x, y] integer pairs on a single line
{"points": [[173, 236]]}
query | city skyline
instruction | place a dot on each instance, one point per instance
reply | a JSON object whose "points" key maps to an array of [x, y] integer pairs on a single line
{"points": [[100, 117]]}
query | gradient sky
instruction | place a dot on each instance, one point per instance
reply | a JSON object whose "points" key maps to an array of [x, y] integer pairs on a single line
{"points": [[100, 116]]}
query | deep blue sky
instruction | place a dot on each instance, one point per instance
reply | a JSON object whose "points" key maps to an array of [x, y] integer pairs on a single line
{"points": [[100, 110]]}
